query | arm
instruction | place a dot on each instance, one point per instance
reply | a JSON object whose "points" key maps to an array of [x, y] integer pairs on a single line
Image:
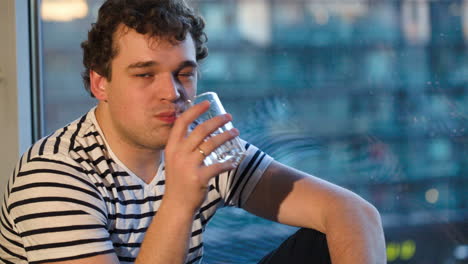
{"points": [[166, 240], [57, 214], [186, 186], [352, 225], [166, 233]]}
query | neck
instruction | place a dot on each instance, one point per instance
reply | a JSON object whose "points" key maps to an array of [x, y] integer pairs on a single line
{"points": [[143, 162]]}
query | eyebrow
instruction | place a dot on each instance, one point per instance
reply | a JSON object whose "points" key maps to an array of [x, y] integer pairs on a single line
{"points": [[186, 64], [142, 64], [151, 63]]}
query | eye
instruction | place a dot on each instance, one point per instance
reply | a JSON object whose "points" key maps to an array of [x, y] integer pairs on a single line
{"points": [[144, 75], [186, 74]]}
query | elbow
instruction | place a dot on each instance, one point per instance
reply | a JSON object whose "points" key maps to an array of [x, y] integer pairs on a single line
{"points": [[371, 213], [369, 220], [374, 233], [354, 230], [365, 208], [352, 208], [360, 221], [368, 214]]}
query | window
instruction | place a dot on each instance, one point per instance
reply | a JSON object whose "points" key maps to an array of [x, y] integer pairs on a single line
{"points": [[370, 95]]}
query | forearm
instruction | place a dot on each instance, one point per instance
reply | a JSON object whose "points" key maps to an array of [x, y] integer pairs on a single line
{"points": [[186, 185], [167, 238], [354, 232]]}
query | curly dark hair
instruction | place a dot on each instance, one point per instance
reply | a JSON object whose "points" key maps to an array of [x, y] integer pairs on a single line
{"points": [[170, 19]]}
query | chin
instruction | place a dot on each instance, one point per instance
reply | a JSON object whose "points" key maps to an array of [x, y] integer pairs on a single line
{"points": [[159, 144]]}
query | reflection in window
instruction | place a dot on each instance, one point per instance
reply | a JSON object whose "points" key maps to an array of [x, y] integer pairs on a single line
{"points": [[63, 11], [371, 95], [415, 21], [254, 21]]}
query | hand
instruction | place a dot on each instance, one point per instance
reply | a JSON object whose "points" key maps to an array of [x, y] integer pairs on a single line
{"points": [[187, 177]]}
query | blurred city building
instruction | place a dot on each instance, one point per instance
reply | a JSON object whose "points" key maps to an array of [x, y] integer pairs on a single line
{"points": [[370, 95]]}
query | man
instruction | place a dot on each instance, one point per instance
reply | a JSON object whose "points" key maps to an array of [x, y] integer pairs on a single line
{"points": [[126, 183]]}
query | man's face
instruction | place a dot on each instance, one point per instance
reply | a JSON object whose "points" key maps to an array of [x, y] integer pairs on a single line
{"points": [[146, 92]]}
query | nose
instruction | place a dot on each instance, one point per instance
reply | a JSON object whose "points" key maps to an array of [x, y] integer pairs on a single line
{"points": [[169, 88]]}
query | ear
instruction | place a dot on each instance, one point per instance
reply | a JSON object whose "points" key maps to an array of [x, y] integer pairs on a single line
{"points": [[98, 85]]}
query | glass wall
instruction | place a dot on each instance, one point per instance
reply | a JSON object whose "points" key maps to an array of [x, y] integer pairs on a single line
{"points": [[370, 95]]}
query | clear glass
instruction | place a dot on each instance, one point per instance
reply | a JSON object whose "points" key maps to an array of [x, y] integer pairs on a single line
{"points": [[370, 95], [232, 150]]}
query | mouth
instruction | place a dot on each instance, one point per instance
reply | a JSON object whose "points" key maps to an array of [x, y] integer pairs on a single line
{"points": [[167, 117], [170, 114]]}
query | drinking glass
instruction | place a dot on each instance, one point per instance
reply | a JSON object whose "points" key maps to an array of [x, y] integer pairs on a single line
{"points": [[232, 150]]}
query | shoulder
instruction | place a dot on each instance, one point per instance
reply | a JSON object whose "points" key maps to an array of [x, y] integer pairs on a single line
{"points": [[79, 143], [66, 139], [254, 159], [56, 159], [52, 182]]}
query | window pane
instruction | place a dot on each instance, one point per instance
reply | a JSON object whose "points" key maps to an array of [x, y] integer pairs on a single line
{"points": [[370, 95], [65, 98]]}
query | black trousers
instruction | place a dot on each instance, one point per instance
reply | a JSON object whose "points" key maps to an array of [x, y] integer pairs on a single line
{"points": [[305, 246]]}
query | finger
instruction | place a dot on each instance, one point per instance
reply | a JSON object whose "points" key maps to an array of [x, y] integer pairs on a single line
{"points": [[179, 131], [208, 172], [206, 129], [213, 143]]}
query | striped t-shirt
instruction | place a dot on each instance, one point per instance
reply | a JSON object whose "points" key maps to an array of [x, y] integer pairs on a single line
{"points": [[70, 197]]}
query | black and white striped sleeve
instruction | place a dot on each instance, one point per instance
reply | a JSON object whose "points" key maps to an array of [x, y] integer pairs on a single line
{"points": [[236, 186], [58, 213]]}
